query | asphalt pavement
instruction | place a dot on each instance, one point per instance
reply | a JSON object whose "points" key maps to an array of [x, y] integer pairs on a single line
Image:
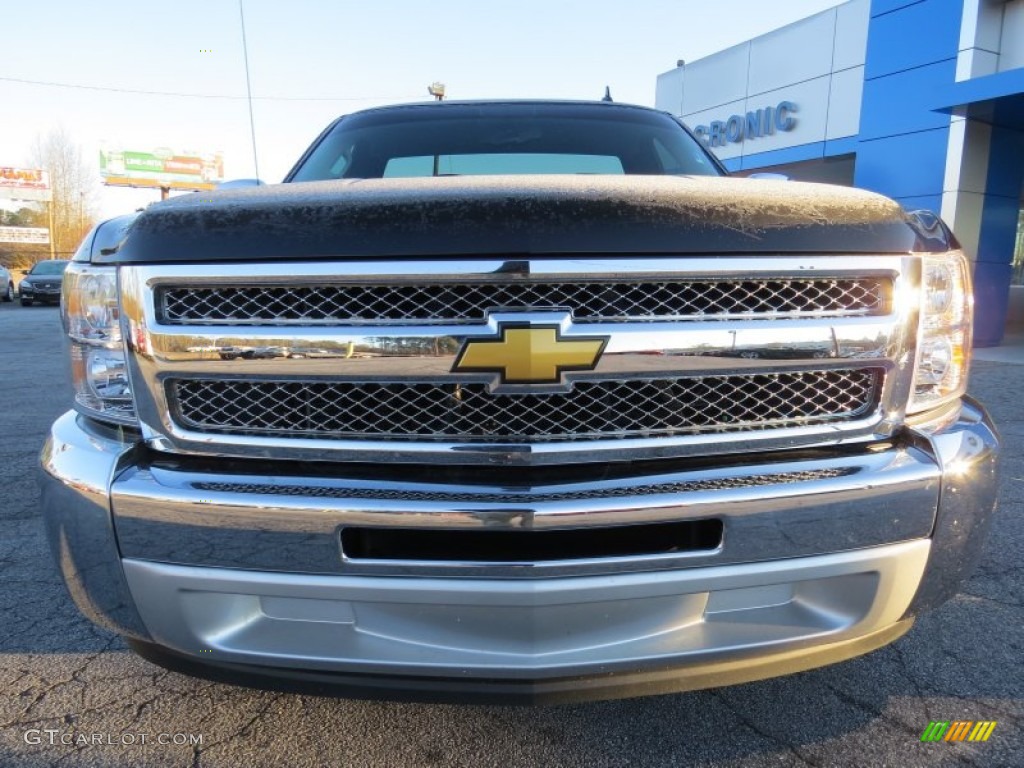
{"points": [[72, 694]]}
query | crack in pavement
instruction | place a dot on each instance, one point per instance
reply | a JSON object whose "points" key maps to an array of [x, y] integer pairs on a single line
{"points": [[238, 732], [751, 725], [1008, 603], [90, 658]]}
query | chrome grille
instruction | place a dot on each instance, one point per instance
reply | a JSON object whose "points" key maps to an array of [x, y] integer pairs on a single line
{"points": [[469, 302], [466, 412]]}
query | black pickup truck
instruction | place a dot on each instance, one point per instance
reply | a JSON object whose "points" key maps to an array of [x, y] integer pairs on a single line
{"points": [[562, 411]]}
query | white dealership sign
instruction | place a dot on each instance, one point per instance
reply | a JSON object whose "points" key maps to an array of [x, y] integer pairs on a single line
{"points": [[25, 184], [25, 235]]}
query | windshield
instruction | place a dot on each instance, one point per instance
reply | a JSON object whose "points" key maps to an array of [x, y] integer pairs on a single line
{"points": [[48, 268], [465, 139]]}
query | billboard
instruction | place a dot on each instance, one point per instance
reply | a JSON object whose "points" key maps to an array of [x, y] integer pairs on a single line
{"points": [[24, 184], [161, 167], [25, 235]]}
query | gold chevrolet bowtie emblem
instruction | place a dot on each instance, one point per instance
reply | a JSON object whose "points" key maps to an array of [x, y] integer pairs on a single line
{"points": [[525, 354]]}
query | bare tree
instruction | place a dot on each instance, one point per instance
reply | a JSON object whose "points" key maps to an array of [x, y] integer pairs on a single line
{"points": [[16, 256], [73, 181]]}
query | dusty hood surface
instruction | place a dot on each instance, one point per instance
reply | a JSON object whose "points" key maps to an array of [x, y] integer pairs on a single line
{"points": [[517, 215]]}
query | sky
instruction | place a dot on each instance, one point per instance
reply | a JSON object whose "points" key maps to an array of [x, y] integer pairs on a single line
{"points": [[313, 60]]}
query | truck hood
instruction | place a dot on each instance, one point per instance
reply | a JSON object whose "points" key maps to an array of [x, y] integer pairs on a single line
{"points": [[520, 215]]}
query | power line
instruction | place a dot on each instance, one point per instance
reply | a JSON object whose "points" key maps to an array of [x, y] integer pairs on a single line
{"points": [[177, 94], [248, 91]]}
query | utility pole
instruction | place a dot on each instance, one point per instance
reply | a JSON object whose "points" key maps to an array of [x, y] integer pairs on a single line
{"points": [[53, 247], [248, 91]]}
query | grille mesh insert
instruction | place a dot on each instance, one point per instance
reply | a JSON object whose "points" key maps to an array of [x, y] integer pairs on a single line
{"points": [[468, 412], [689, 486], [468, 302]]}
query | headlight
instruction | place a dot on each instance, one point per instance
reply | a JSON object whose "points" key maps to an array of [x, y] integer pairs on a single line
{"points": [[944, 335], [99, 369]]}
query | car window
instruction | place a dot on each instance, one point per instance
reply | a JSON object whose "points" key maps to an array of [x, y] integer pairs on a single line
{"points": [[514, 138], [49, 268], [82, 252], [494, 163], [110, 233]]}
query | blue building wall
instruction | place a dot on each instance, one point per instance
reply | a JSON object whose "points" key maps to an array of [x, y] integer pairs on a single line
{"points": [[904, 139], [911, 54], [999, 217], [923, 137]]}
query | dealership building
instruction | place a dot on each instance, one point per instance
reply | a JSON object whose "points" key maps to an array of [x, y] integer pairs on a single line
{"points": [[921, 101]]}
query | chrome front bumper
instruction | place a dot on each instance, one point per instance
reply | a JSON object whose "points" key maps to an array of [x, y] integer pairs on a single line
{"points": [[252, 579]]}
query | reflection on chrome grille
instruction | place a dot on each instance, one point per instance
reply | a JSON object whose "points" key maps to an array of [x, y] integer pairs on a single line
{"points": [[466, 412], [692, 486], [463, 302]]}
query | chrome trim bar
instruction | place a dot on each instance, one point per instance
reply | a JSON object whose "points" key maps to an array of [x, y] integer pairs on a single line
{"points": [[501, 270]]}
